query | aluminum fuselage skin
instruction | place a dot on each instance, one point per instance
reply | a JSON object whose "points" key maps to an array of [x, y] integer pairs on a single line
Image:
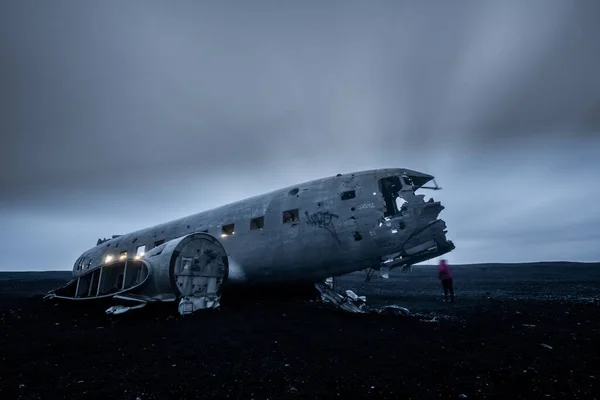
{"points": [[331, 237]]}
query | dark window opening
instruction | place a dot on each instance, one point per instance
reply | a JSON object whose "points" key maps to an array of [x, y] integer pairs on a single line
{"points": [[257, 223], [93, 291], [357, 236], [112, 280], [159, 242], [294, 192], [227, 230], [290, 216], [390, 187], [350, 194], [407, 181]]}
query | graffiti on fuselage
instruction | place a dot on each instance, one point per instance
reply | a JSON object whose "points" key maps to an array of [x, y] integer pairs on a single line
{"points": [[324, 220]]}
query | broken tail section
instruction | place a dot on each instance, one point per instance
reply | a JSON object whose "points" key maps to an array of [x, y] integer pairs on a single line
{"points": [[190, 269]]}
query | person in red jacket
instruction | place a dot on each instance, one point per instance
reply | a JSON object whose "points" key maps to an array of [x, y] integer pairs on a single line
{"points": [[445, 276]]}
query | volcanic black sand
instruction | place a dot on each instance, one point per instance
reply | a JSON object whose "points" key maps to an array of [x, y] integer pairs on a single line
{"points": [[515, 331]]}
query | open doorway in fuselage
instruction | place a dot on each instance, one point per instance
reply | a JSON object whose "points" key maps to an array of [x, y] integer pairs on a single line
{"points": [[390, 188]]}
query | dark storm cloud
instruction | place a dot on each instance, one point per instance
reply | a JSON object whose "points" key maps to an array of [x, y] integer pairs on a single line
{"points": [[126, 114]]}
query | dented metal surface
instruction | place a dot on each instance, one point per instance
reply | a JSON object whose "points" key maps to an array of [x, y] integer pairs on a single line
{"points": [[306, 232]]}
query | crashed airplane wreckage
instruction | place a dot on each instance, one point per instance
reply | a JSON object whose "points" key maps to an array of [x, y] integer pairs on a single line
{"points": [[370, 220]]}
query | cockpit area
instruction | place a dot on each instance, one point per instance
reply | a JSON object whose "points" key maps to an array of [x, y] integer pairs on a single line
{"points": [[392, 186]]}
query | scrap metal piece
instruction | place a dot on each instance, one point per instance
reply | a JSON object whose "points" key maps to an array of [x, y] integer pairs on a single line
{"points": [[354, 304], [355, 297], [384, 272], [191, 304], [393, 310], [120, 309], [331, 282]]}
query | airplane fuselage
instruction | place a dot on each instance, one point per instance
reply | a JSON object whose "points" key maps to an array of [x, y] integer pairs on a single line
{"points": [[304, 232]]}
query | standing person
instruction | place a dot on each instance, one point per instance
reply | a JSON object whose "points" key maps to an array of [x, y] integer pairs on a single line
{"points": [[445, 276]]}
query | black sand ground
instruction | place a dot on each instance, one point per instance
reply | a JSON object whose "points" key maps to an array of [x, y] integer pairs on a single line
{"points": [[523, 331]]}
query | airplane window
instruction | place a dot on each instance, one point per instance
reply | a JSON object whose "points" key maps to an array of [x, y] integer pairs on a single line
{"points": [[159, 242], [227, 230], [348, 195], [390, 187], [257, 223], [123, 255], [141, 250], [290, 216]]}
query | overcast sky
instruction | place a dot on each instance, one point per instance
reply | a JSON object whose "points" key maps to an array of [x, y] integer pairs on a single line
{"points": [[119, 115]]}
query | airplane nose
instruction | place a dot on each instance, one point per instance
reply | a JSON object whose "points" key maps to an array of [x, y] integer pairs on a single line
{"points": [[428, 241], [423, 243]]}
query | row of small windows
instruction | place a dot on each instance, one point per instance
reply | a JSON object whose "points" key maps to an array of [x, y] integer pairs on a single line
{"points": [[288, 217]]}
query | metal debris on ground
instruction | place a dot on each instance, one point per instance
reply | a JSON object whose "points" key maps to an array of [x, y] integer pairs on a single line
{"points": [[353, 303], [114, 310], [350, 302], [355, 297], [189, 304], [394, 310]]}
